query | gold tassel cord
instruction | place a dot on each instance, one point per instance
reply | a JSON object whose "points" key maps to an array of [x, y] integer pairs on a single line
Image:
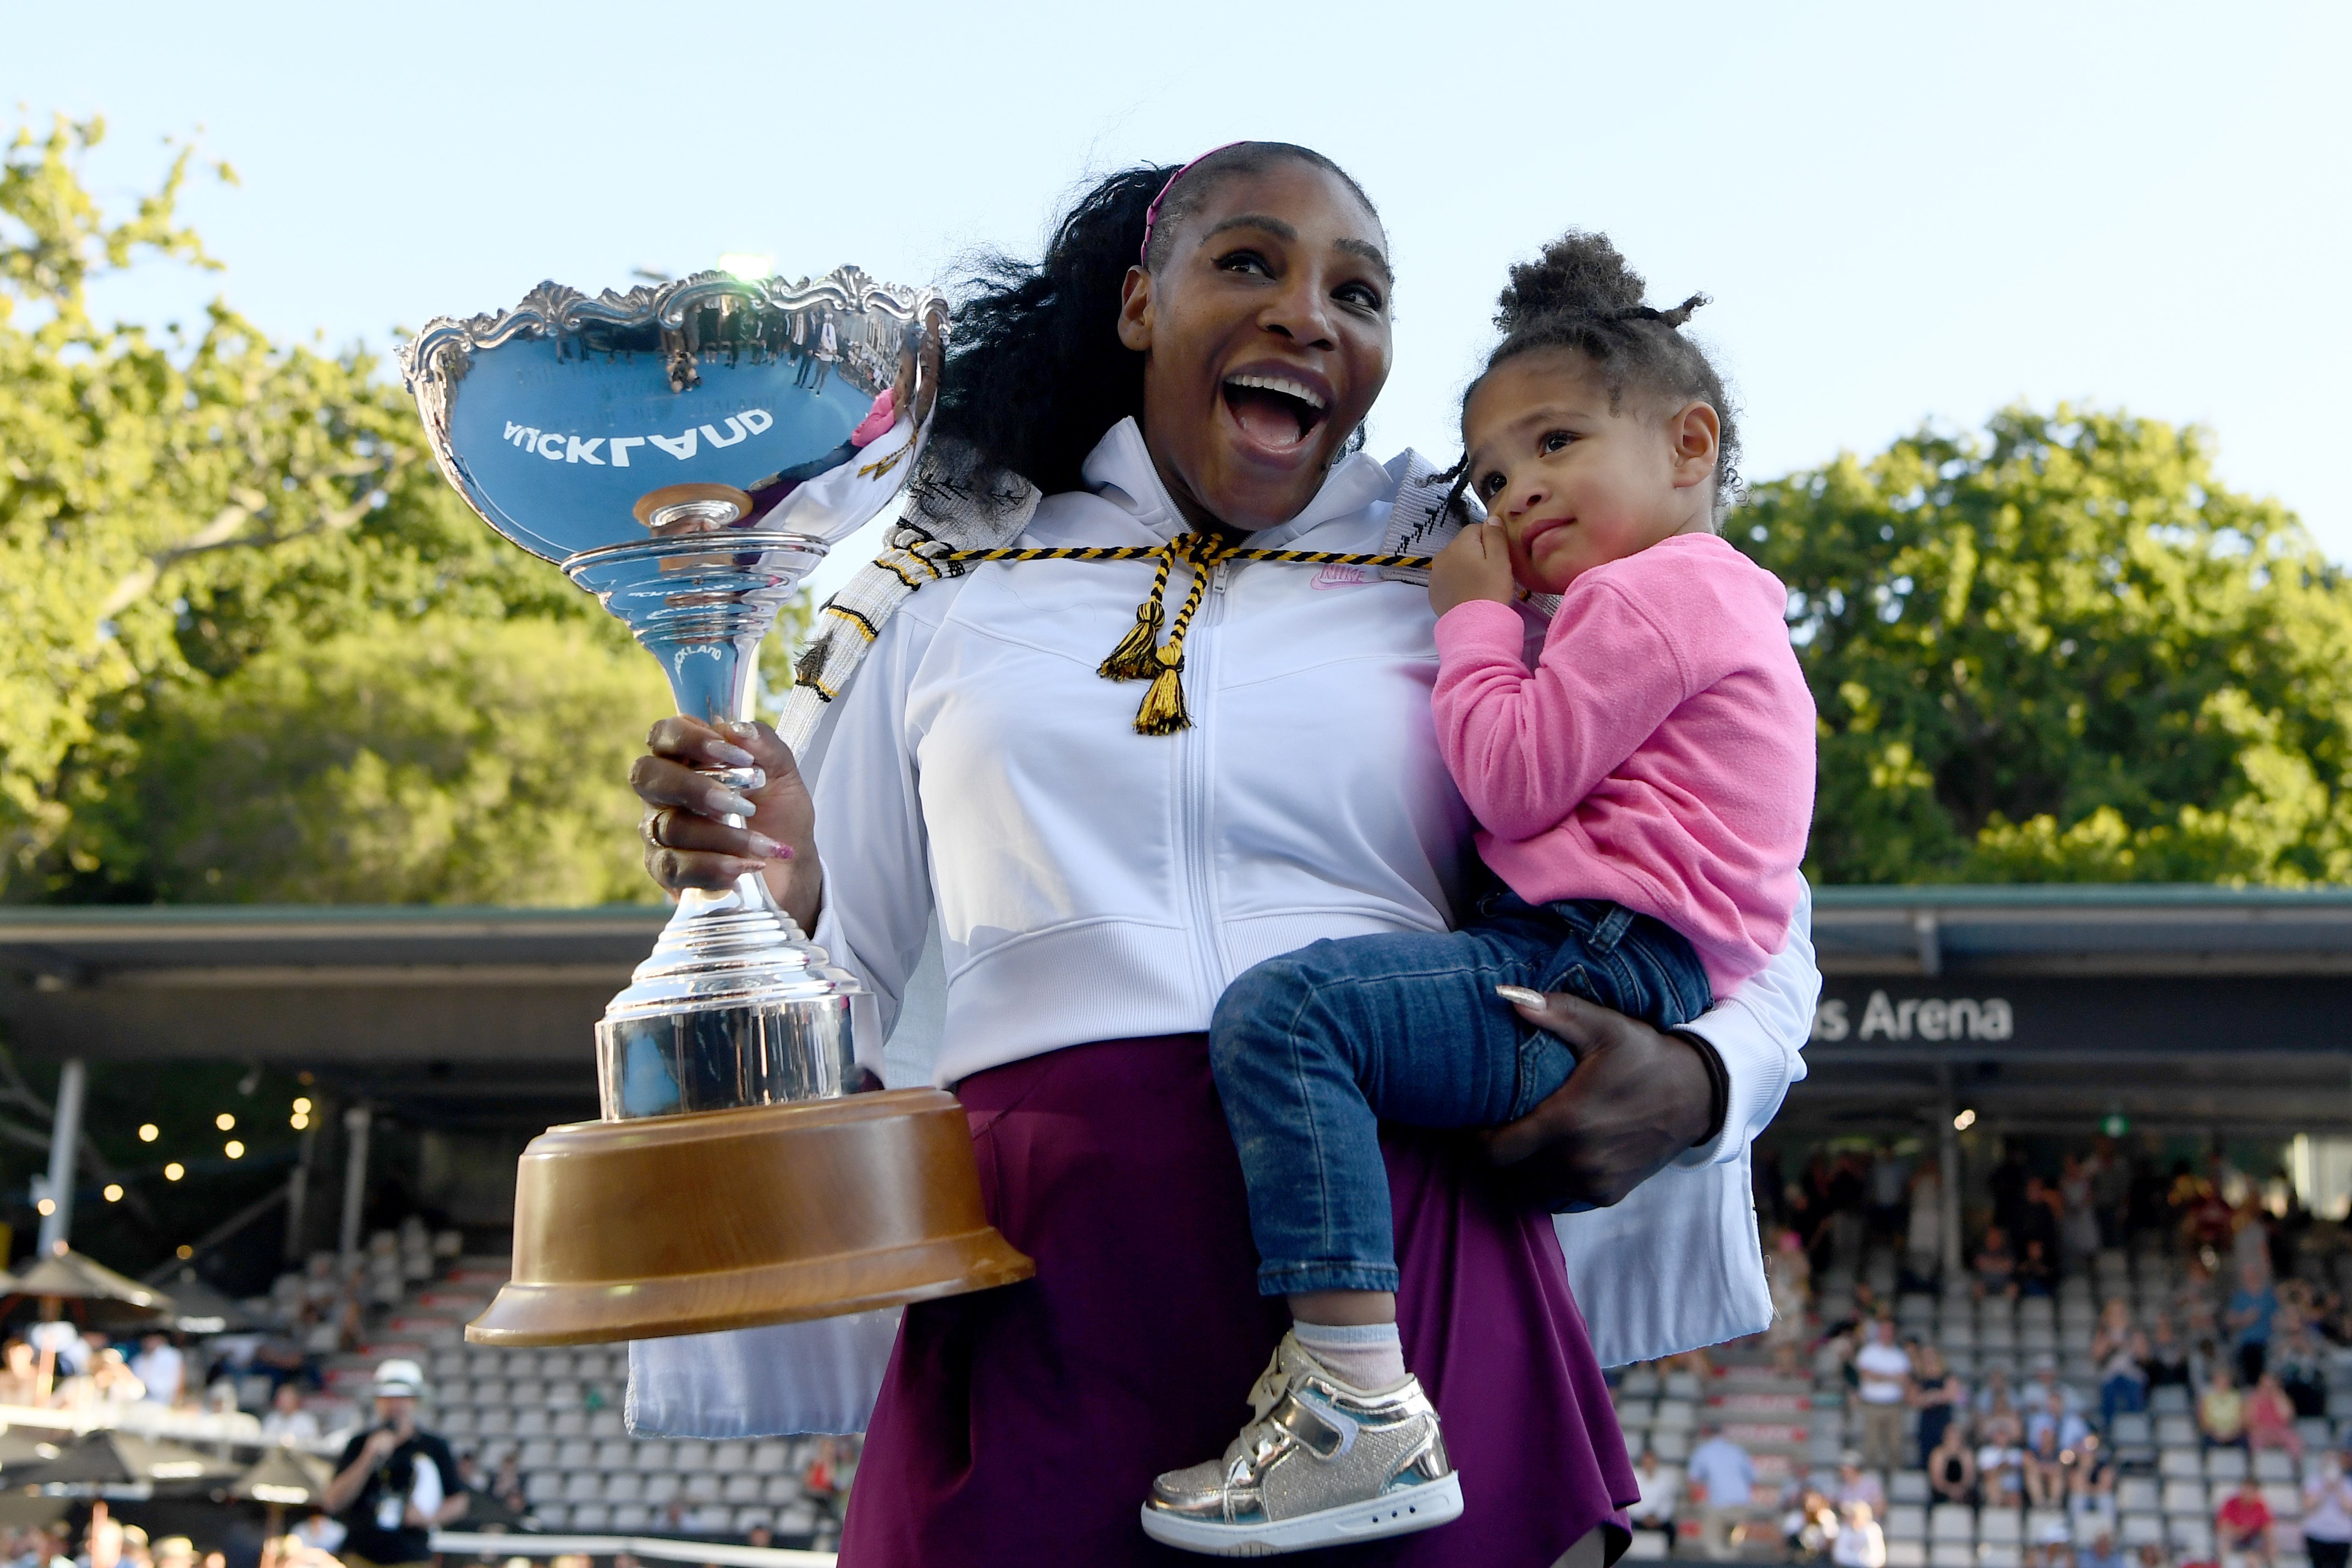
{"points": [[1132, 660], [1140, 655]]}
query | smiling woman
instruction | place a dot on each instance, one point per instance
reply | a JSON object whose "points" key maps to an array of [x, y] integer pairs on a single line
{"points": [[1183, 376]]}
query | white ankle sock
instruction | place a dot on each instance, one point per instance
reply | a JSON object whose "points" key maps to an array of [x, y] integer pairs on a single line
{"points": [[1367, 1356]]}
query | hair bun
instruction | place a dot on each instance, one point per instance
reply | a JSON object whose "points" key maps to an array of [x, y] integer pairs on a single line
{"points": [[1579, 272]]}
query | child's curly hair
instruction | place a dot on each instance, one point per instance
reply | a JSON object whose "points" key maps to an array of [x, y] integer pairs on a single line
{"points": [[1580, 295]]}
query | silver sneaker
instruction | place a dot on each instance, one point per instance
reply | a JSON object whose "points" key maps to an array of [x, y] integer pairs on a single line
{"points": [[1320, 1463]]}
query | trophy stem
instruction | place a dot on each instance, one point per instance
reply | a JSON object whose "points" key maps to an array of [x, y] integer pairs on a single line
{"points": [[734, 1006]]}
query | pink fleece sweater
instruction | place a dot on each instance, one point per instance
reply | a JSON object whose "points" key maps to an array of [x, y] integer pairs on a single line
{"points": [[1660, 754]]}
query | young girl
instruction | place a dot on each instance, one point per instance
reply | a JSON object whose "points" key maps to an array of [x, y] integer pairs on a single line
{"points": [[1644, 793]]}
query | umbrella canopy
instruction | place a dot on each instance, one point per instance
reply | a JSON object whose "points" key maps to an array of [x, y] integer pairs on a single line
{"points": [[21, 1446], [286, 1476], [110, 1459], [197, 1308], [71, 1275]]}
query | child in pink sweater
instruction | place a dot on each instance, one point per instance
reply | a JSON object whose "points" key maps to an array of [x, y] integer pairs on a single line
{"points": [[1644, 795]]}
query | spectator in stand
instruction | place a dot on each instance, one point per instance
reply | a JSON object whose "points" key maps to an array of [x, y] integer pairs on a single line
{"points": [[507, 1485], [1856, 1484], [2151, 1555], [2102, 1553], [1952, 1467], [2045, 1387], [2036, 1274], [1883, 1389], [1808, 1526], [1996, 1266], [2253, 1307], [1935, 1394], [1719, 1473], [1923, 1237], [111, 1381], [2243, 1528], [2053, 1547], [2250, 1240], [2091, 1480], [1890, 1177], [160, 1368], [2270, 1418], [1662, 1491], [2051, 1418], [1792, 1283], [2118, 1349], [2221, 1410], [2043, 1470], [2002, 1424], [20, 1374], [287, 1421], [1859, 1542], [2327, 1512], [2000, 1470], [2167, 1360], [2078, 1216], [2300, 1365], [1994, 1390], [2037, 1220]]}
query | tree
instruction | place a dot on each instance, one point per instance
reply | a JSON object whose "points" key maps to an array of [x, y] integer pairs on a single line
{"points": [[2062, 652], [252, 645]]}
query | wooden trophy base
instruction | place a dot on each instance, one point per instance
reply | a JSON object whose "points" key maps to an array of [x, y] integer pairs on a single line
{"points": [[727, 1220]]}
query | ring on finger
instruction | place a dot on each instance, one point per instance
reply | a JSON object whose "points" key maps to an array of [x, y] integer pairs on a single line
{"points": [[650, 829]]}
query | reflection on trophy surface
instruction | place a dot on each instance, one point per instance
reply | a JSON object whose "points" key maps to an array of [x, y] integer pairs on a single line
{"points": [[688, 454]]}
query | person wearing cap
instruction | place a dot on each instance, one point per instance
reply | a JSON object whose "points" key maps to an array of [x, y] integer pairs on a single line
{"points": [[395, 1484]]}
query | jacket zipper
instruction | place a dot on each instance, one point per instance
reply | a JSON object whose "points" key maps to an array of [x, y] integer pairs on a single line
{"points": [[1215, 964]]}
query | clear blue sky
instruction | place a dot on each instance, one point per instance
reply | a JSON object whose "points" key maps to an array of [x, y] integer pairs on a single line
{"points": [[1903, 213]]}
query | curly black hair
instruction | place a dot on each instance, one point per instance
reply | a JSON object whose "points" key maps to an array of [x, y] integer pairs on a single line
{"points": [[1579, 294], [1035, 371]]}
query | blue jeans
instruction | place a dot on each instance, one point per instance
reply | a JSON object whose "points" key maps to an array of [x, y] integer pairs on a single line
{"points": [[2121, 1394], [1314, 1050]]}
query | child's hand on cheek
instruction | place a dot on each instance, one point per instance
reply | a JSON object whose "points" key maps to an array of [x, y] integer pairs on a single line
{"points": [[1476, 565]]}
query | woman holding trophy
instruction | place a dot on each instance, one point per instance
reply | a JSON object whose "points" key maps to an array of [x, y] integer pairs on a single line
{"points": [[1191, 361]]}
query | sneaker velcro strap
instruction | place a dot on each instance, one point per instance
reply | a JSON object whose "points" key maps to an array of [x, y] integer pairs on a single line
{"points": [[1320, 1430]]}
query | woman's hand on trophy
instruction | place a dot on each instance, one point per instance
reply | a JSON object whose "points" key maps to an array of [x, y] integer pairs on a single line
{"points": [[686, 842], [1638, 1098]]}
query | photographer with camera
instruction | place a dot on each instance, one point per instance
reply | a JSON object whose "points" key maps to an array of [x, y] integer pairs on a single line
{"points": [[395, 1483]]}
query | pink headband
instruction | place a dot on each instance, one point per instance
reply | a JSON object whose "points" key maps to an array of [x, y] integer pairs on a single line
{"points": [[1151, 212]]}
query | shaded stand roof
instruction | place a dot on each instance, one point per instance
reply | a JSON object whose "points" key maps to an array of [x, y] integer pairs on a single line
{"points": [[2193, 1005], [449, 1015]]}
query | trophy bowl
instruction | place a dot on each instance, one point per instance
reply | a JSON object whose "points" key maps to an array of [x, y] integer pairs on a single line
{"points": [[687, 452]]}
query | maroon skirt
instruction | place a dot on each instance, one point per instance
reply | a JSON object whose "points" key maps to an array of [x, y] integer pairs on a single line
{"points": [[1023, 1426]]}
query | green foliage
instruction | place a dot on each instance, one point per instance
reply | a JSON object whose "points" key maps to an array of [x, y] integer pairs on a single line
{"points": [[220, 556], [2063, 652]]}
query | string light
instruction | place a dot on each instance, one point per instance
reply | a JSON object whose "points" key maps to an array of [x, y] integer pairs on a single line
{"points": [[302, 1106], [298, 1121], [234, 1150], [175, 1171], [223, 1121], [114, 1192], [186, 1251], [48, 1207], [149, 1131], [1964, 1120]]}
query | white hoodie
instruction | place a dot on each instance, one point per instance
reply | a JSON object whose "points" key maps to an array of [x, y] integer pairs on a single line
{"points": [[1093, 883]]}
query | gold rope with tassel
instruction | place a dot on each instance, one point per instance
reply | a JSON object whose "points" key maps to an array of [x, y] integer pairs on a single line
{"points": [[1140, 655]]}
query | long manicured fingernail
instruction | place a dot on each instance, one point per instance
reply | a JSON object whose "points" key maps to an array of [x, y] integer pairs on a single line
{"points": [[735, 805], [732, 756], [1520, 996], [767, 849]]}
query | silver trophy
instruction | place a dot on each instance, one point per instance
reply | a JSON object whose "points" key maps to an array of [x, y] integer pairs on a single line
{"points": [[687, 454]]}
